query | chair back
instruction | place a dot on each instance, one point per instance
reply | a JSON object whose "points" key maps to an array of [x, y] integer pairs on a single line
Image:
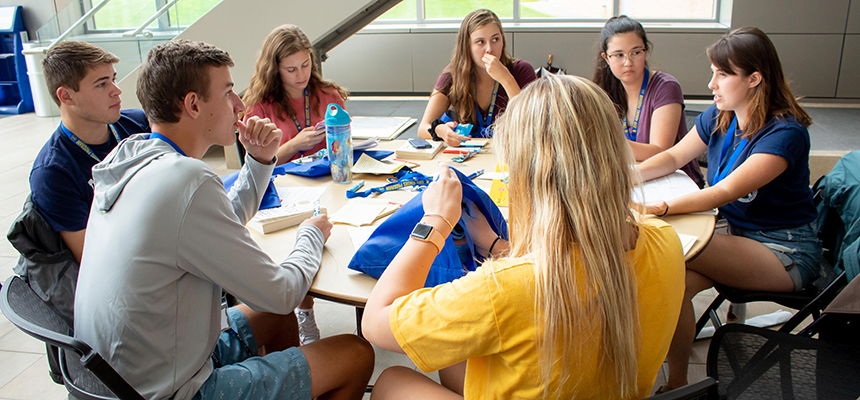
{"points": [[85, 373], [837, 197]]}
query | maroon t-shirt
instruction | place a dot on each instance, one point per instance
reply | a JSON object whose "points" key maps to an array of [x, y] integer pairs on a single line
{"points": [[522, 71], [664, 89]]}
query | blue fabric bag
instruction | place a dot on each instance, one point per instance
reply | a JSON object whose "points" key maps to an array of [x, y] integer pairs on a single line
{"points": [[270, 198], [322, 166], [386, 241]]}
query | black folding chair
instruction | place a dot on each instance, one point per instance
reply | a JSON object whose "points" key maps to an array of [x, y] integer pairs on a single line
{"points": [[85, 374], [760, 364], [704, 390]]}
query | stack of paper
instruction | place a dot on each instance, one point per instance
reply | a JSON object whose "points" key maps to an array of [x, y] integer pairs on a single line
{"points": [[359, 212], [383, 127], [687, 241], [472, 144], [297, 206], [369, 165], [409, 152]]}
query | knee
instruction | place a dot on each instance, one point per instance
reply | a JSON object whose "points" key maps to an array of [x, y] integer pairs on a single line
{"points": [[394, 374], [358, 350]]}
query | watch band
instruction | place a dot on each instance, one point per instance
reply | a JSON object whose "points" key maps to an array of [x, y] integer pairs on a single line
{"points": [[431, 235]]}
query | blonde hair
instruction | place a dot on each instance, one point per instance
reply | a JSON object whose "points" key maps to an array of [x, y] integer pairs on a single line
{"points": [[570, 185], [462, 67], [266, 84]]}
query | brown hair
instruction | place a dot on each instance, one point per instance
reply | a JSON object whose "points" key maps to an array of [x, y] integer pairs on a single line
{"points": [[171, 71], [748, 50], [68, 62], [603, 76], [461, 68], [266, 84]]}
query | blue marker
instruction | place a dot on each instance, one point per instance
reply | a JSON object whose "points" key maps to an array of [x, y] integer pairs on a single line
{"points": [[476, 174], [316, 207]]}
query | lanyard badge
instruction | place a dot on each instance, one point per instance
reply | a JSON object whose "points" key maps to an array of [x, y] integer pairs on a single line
{"points": [[725, 166], [483, 124], [83, 146], [403, 178], [631, 131], [307, 114]]}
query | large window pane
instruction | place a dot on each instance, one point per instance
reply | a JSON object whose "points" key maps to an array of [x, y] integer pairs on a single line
{"points": [[567, 9], [187, 12], [124, 14], [404, 10], [672, 9], [457, 9]]}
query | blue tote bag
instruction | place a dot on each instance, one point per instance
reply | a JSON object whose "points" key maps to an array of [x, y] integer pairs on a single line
{"points": [[386, 241], [322, 166]]}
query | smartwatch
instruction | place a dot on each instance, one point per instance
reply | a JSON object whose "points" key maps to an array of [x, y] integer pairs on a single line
{"points": [[426, 233]]}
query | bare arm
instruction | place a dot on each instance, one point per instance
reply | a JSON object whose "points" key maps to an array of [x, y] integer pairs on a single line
{"points": [[436, 106], [408, 271], [758, 170], [664, 128], [75, 242], [676, 157]]}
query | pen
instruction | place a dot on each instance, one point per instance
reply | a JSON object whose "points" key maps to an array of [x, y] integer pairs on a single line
{"points": [[316, 207], [476, 174]]}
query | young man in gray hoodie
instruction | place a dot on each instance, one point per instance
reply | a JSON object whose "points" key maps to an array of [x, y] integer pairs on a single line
{"points": [[164, 239]]}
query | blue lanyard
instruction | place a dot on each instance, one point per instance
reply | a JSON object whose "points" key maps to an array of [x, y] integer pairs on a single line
{"points": [[76, 140], [631, 131], [481, 122], [156, 135], [723, 169], [403, 178], [307, 115]]}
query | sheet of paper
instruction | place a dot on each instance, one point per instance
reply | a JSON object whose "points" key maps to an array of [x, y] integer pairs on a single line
{"points": [[369, 165], [493, 176], [386, 128], [366, 144], [292, 195], [285, 210], [687, 241], [472, 143], [359, 212], [360, 235], [674, 185]]}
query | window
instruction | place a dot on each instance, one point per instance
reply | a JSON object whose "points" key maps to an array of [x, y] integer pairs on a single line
{"points": [[448, 11], [122, 15]]}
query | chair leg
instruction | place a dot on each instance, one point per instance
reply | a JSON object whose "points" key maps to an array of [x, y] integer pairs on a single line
{"points": [[711, 313], [359, 313]]}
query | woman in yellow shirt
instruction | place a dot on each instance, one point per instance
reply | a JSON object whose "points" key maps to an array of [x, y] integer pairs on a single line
{"points": [[581, 303]]}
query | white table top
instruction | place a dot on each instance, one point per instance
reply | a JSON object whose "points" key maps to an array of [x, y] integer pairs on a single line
{"points": [[337, 283]]}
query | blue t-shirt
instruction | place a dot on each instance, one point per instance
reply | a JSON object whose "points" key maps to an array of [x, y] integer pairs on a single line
{"points": [[786, 201], [61, 174]]}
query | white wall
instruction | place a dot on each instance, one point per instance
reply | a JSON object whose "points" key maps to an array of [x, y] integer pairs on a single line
{"points": [[242, 37], [818, 43]]}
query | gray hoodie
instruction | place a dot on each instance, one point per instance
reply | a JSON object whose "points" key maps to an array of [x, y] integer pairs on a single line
{"points": [[162, 241]]}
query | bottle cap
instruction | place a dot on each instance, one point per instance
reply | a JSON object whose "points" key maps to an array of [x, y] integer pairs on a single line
{"points": [[334, 115]]}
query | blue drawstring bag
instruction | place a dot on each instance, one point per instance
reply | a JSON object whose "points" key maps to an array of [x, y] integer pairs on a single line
{"points": [[386, 241], [322, 166], [270, 198]]}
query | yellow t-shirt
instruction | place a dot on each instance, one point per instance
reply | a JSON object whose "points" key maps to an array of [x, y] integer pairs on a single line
{"points": [[488, 319]]}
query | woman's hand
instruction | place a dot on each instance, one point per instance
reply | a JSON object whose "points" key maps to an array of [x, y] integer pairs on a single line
{"points": [[658, 208], [496, 69], [307, 139], [320, 221], [444, 196], [449, 135]]}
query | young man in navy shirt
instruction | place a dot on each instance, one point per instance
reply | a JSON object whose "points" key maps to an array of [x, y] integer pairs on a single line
{"points": [[82, 80]]}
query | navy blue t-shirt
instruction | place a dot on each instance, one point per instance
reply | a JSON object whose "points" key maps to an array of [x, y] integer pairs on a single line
{"points": [[61, 174], [786, 201]]}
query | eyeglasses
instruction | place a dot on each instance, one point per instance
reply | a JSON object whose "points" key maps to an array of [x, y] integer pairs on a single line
{"points": [[634, 55]]}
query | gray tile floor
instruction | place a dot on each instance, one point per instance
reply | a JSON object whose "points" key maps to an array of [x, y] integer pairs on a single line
{"points": [[22, 362]]}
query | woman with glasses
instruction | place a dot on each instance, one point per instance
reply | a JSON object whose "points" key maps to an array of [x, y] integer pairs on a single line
{"points": [[650, 103], [475, 87], [757, 142]]}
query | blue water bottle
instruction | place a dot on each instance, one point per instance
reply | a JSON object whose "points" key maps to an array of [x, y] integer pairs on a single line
{"points": [[338, 143]]}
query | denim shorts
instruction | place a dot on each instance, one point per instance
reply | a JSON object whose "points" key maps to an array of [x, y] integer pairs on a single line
{"points": [[244, 375], [798, 249]]}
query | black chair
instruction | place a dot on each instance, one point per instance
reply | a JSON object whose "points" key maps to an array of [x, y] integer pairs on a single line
{"points": [[85, 374], [704, 390], [756, 363]]}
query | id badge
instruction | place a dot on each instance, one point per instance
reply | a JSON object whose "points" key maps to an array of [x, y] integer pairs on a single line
{"points": [[225, 321]]}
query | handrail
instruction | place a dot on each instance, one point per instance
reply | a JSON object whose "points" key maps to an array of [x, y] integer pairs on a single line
{"points": [[155, 16], [68, 32]]}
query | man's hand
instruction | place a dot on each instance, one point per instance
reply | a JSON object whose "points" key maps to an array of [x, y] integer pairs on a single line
{"points": [[261, 138], [320, 221]]}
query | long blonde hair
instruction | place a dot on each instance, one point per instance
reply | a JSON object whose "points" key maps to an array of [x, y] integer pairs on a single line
{"points": [[266, 84], [570, 185], [462, 67]]}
